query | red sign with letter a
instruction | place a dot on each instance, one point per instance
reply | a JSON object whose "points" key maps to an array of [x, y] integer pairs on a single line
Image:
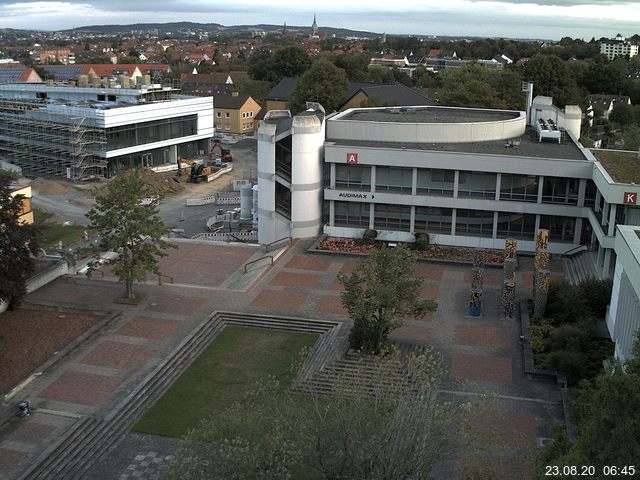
{"points": [[630, 198], [352, 158]]}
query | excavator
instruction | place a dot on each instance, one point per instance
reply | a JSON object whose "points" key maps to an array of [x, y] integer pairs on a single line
{"points": [[225, 153]]}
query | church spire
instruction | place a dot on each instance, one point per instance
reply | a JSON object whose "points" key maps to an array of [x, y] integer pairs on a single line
{"points": [[314, 27]]}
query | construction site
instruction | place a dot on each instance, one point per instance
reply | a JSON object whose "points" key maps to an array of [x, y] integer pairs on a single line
{"points": [[83, 133]]}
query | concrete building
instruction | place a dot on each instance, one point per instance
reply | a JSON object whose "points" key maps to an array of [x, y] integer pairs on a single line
{"points": [[80, 131], [468, 177], [618, 47], [623, 315]]}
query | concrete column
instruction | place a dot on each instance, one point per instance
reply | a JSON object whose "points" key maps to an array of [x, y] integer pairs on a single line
{"points": [[412, 221], [537, 226], [332, 179], [373, 179], [456, 179], [332, 213], [582, 191], [498, 183], [453, 221], [371, 212], [414, 184], [606, 264], [600, 258], [605, 214], [596, 207], [612, 219], [540, 188], [577, 231], [494, 232]]}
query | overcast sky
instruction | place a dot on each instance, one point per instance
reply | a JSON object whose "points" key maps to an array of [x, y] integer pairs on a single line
{"points": [[550, 19]]}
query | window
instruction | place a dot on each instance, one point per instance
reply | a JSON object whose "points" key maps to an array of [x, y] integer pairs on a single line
{"points": [[590, 194], [477, 185], [435, 182], [227, 115], [431, 219], [353, 177], [560, 190], [394, 179], [251, 114], [392, 217], [516, 225], [101, 97], [561, 229], [474, 223], [227, 126], [149, 132], [351, 214], [218, 114], [521, 188]]}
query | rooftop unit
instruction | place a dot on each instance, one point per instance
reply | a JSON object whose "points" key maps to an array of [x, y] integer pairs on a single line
{"points": [[547, 129]]}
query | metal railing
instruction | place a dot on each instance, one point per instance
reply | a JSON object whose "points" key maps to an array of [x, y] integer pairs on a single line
{"points": [[579, 248], [269, 246], [270, 257], [160, 275]]}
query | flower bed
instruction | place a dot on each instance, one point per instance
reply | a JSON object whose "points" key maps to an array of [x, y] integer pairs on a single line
{"points": [[436, 252]]}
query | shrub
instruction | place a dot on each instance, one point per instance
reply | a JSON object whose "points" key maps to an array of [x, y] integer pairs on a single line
{"points": [[569, 363], [569, 337], [596, 294], [565, 304], [369, 235], [539, 335], [422, 241]]}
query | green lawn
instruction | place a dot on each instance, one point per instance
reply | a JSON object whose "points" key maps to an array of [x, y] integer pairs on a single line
{"points": [[228, 368], [51, 233]]}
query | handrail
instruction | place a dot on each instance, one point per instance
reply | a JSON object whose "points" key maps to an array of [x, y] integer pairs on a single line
{"points": [[160, 275], [268, 245], [91, 271], [574, 250], [270, 257], [238, 239]]}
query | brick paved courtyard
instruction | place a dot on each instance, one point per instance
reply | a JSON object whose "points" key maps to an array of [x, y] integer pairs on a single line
{"points": [[92, 379]]}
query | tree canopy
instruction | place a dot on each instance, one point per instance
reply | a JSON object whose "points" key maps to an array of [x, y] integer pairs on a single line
{"points": [[380, 291], [17, 245], [129, 227], [382, 421], [323, 83], [552, 78], [287, 62]]}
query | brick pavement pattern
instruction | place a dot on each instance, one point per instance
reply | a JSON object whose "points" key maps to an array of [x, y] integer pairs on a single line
{"points": [[481, 368], [118, 355], [483, 336], [147, 327], [177, 304], [80, 387], [31, 432], [296, 280], [279, 300]]}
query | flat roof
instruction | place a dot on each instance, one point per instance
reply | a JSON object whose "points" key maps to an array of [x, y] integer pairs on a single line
{"points": [[529, 147], [622, 166], [426, 114]]}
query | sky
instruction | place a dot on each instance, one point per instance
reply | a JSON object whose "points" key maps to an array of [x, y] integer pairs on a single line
{"points": [[544, 19]]}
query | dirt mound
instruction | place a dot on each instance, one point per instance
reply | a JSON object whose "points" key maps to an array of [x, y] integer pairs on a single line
{"points": [[159, 184], [48, 186]]}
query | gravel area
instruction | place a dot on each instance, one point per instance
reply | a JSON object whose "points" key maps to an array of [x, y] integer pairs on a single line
{"points": [[28, 337]]}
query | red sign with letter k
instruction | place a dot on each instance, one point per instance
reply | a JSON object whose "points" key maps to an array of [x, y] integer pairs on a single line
{"points": [[630, 198]]}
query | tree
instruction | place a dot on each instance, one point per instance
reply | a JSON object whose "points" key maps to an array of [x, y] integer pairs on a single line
{"points": [[608, 425], [382, 420], [551, 77], [17, 245], [380, 291], [130, 228], [324, 83]]}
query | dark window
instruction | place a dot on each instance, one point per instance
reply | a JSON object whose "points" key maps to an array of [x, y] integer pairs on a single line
{"points": [[561, 229], [149, 132], [353, 177], [351, 214], [435, 182], [111, 98], [283, 158], [394, 179], [283, 201], [477, 185], [433, 219], [590, 194], [392, 217], [516, 225], [102, 97], [521, 188], [474, 223], [560, 190]]}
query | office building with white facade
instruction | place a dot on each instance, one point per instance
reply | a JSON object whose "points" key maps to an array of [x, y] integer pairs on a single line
{"points": [[75, 132], [467, 177], [618, 47], [623, 315]]}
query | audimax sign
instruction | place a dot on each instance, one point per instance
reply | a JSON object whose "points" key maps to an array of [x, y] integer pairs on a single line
{"points": [[363, 196]]}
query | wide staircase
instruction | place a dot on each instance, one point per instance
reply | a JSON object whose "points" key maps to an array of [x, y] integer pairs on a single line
{"points": [[579, 267], [92, 438]]}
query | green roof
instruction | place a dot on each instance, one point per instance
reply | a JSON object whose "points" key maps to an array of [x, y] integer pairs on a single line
{"points": [[622, 166]]}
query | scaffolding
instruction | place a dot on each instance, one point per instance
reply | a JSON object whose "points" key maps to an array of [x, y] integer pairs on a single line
{"points": [[59, 141]]}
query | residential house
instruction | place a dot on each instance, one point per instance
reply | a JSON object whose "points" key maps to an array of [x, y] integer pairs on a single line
{"points": [[26, 214], [235, 113], [605, 103]]}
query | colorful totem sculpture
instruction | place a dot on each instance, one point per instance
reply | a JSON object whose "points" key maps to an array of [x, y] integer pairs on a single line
{"points": [[475, 295], [508, 298], [540, 272], [540, 297], [510, 264], [475, 302]]}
